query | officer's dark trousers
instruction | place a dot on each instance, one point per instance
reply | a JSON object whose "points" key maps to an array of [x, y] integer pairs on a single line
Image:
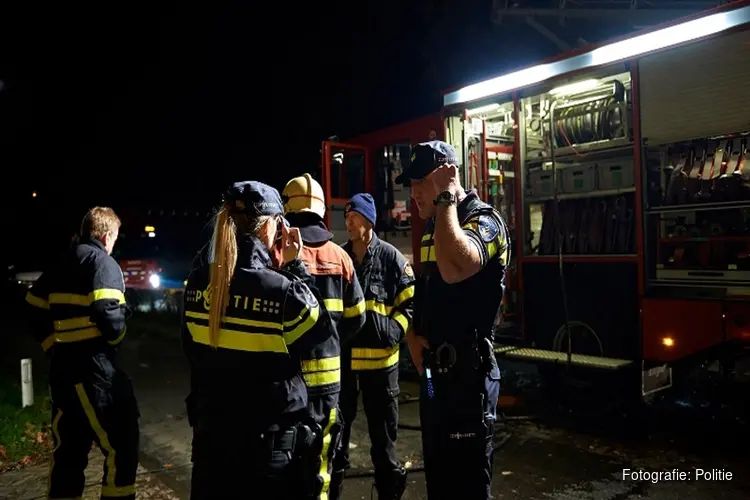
{"points": [[457, 427], [255, 474], [380, 397], [101, 411]]}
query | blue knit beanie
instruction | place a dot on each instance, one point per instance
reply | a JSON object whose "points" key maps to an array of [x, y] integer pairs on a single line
{"points": [[363, 204]]}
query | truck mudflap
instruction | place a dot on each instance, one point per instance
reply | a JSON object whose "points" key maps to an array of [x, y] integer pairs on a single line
{"points": [[655, 378]]}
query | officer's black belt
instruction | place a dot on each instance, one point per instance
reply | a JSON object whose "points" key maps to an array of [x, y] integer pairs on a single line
{"points": [[448, 357]]}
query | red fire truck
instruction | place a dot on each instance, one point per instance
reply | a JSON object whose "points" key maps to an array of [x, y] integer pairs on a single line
{"points": [[623, 170]]}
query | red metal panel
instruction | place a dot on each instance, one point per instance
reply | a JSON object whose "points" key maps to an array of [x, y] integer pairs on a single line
{"points": [[412, 131], [674, 329], [738, 321]]}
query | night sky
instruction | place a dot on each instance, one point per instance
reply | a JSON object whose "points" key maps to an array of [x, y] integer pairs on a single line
{"points": [[163, 104]]}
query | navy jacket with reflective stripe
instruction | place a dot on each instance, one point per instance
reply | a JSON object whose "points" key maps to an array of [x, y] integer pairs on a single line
{"points": [[78, 312], [273, 323], [387, 281]]}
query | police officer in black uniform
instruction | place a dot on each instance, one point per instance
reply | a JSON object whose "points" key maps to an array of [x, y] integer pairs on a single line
{"points": [[247, 330], [78, 315], [464, 254], [370, 361]]}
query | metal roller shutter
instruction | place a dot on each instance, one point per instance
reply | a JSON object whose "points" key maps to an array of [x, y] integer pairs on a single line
{"points": [[699, 90]]}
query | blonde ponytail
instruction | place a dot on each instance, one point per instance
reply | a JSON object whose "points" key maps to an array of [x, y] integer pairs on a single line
{"points": [[224, 250]]}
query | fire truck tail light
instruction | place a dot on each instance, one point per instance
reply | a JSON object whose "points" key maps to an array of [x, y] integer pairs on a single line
{"points": [[667, 341]]}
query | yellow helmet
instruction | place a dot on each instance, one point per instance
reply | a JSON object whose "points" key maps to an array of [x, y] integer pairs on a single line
{"points": [[304, 194]]}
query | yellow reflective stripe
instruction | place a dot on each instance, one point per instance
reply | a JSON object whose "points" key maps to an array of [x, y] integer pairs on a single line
{"points": [[238, 321], [303, 326], [473, 225], [427, 254], [324, 465], [77, 299], [427, 237], [108, 294], [378, 308], [322, 378], [72, 323], [36, 301], [73, 299], [357, 309], [119, 338], [374, 359], [406, 294], [373, 353], [491, 249], [322, 371], [109, 451], [118, 491], [239, 341], [317, 365], [70, 336], [333, 305], [401, 320]]}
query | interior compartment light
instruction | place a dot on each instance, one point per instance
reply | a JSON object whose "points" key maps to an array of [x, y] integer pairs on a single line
{"points": [[575, 88], [667, 341], [617, 51], [482, 109]]}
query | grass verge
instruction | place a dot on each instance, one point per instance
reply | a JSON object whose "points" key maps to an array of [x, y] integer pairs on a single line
{"points": [[24, 432]]}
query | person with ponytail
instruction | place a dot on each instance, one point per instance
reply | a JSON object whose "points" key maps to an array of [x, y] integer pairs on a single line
{"points": [[249, 323]]}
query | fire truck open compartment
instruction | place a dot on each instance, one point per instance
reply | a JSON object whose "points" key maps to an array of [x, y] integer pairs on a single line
{"points": [[629, 196], [484, 138], [377, 158]]}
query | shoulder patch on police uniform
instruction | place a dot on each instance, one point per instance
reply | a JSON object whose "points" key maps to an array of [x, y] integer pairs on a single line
{"points": [[489, 228], [310, 297], [408, 270]]}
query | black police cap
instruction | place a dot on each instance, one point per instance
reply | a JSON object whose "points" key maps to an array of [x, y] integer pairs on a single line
{"points": [[426, 157], [254, 198]]}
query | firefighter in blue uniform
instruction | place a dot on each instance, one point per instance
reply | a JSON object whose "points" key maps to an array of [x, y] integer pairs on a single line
{"points": [[370, 364], [248, 331], [78, 315], [464, 253], [333, 273]]}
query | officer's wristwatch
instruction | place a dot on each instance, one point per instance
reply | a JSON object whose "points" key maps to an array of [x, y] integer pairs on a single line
{"points": [[446, 198]]}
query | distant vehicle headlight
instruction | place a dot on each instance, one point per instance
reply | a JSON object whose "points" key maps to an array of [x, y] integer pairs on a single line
{"points": [[154, 280]]}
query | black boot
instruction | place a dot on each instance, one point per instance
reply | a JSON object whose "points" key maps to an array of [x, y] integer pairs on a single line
{"points": [[392, 485], [336, 486]]}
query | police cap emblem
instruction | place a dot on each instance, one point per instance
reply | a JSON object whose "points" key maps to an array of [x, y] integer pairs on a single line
{"points": [[489, 228]]}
